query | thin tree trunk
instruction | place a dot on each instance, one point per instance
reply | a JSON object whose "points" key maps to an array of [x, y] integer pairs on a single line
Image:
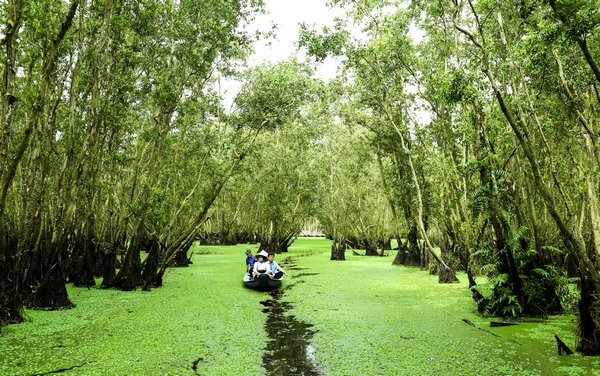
{"points": [[446, 274]]}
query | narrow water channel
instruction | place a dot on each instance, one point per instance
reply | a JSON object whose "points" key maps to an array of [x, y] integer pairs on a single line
{"points": [[289, 351]]}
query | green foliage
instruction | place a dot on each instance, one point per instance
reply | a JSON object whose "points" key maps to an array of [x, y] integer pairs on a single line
{"points": [[504, 302], [273, 95], [457, 87], [326, 43]]}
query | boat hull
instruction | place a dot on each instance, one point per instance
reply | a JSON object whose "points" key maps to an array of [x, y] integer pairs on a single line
{"points": [[263, 282]]}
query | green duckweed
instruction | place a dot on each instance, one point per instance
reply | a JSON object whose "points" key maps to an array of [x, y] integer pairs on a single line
{"points": [[369, 317]]}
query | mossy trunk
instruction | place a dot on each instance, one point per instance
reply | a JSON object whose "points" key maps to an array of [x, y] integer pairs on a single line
{"points": [[588, 325], [51, 292], [338, 250], [370, 248], [446, 275], [130, 275], [11, 305]]}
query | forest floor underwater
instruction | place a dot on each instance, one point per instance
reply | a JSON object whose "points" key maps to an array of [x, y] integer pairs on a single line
{"points": [[362, 316]]}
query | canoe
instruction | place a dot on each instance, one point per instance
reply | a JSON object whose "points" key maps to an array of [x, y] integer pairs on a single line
{"points": [[263, 282]]}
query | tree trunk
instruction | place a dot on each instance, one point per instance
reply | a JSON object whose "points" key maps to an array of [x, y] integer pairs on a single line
{"points": [[152, 264], [370, 248], [338, 250], [10, 296], [402, 253], [588, 329], [181, 258], [447, 275], [84, 261], [43, 282], [505, 260], [129, 277], [109, 260], [51, 292], [276, 243]]}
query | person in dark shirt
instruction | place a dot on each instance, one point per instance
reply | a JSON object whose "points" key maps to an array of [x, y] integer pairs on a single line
{"points": [[250, 260]]}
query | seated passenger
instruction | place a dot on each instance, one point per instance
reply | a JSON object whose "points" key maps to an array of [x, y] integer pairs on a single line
{"points": [[275, 270], [261, 266]]}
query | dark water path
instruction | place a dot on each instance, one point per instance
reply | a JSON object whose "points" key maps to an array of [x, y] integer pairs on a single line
{"points": [[289, 351]]}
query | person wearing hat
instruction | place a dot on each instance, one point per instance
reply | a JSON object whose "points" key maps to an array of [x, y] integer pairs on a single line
{"points": [[250, 260], [261, 266]]}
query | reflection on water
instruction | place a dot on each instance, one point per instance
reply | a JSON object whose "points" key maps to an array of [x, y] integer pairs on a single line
{"points": [[288, 351]]}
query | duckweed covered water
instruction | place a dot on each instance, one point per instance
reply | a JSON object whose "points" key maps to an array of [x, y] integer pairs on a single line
{"points": [[364, 316]]}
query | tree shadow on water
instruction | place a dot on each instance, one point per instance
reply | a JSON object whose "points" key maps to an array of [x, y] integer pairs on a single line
{"points": [[288, 351]]}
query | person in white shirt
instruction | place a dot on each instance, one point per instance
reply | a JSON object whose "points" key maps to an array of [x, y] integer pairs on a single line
{"points": [[261, 266]]}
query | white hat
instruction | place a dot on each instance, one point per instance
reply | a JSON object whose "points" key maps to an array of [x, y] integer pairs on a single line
{"points": [[263, 254]]}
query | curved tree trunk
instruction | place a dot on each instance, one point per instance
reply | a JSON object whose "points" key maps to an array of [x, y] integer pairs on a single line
{"points": [[506, 263], [370, 248], [446, 274]]}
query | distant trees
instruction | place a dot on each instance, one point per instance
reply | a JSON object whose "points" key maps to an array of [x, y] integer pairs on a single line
{"points": [[275, 190], [351, 208]]}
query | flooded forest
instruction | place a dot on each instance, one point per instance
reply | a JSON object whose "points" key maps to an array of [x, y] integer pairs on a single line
{"points": [[435, 204]]}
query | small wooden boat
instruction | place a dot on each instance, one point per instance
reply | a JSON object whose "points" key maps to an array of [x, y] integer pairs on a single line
{"points": [[263, 282]]}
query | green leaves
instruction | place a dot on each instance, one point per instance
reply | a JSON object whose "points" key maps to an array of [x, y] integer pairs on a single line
{"points": [[326, 43], [273, 95]]}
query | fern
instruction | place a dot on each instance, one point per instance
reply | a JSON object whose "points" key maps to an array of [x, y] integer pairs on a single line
{"points": [[503, 174], [488, 268], [541, 272], [480, 201], [552, 249], [502, 278], [515, 239], [483, 252]]}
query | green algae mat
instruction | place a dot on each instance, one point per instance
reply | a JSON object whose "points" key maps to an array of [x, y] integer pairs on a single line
{"points": [[362, 316]]}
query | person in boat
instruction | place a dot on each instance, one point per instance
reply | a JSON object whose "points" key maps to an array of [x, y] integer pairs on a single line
{"points": [[261, 266], [276, 271], [250, 260]]}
